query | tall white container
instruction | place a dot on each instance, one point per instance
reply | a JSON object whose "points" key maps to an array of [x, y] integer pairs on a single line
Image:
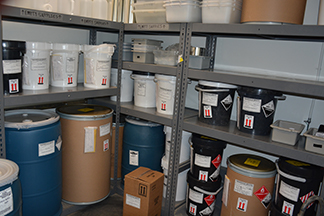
{"points": [[36, 65], [100, 9], [144, 90], [46, 5], [165, 92], [69, 7], [126, 87], [64, 65], [19, 3], [86, 8], [97, 65]]}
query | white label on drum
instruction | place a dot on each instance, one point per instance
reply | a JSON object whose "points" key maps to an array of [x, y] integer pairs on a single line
{"points": [[103, 66], [133, 201], [289, 191], [248, 121], [202, 161], [90, 134], [141, 88], [6, 201], [104, 129], [46, 148], [225, 191], [192, 209], [38, 64], [196, 196], [242, 204], [11, 66], [210, 99], [106, 145], [13, 85], [133, 157], [251, 105], [70, 62], [165, 93], [243, 188], [287, 208]]}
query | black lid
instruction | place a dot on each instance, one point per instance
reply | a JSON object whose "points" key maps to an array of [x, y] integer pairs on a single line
{"points": [[207, 186], [300, 169], [7, 44], [242, 90], [207, 142], [143, 73]]}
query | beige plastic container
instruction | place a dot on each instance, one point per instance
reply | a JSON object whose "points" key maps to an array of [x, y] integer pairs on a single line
{"points": [[273, 11]]}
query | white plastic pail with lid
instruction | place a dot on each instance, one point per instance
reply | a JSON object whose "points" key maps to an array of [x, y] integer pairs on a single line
{"points": [[97, 65], [46, 5], [69, 7], [64, 65], [36, 65], [165, 91], [144, 89], [127, 85]]}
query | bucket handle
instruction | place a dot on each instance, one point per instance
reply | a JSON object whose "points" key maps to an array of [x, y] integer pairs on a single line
{"points": [[207, 192], [282, 97], [190, 140], [210, 90], [291, 177]]}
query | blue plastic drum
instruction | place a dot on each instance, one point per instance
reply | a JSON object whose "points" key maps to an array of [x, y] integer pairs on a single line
{"points": [[33, 141], [10, 189], [143, 145]]}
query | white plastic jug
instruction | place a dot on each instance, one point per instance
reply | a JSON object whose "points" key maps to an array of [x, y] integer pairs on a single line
{"points": [[100, 9]]}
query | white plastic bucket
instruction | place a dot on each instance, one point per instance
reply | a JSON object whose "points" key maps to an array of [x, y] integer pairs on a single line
{"points": [[165, 92], [36, 65], [19, 3], [144, 90], [100, 9], [86, 8], [64, 65], [69, 7], [46, 5], [127, 85], [97, 65], [181, 184], [185, 146], [213, 12]]}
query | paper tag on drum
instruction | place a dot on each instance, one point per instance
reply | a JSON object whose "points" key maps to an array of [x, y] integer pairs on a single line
{"points": [[46, 148], [133, 157], [90, 134], [6, 201], [208, 112], [106, 145]]}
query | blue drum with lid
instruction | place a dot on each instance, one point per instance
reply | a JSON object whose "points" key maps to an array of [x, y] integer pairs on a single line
{"points": [[33, 141]]}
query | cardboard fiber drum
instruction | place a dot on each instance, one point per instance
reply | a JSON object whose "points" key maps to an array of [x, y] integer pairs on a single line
{"points": [[248, 186], [86, 134]]}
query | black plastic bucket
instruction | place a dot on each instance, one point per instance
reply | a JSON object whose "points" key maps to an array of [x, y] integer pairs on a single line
{"points": [[255, 109], [201, 196], [215, 102], [297, 181], [12, 55], [276, 212], [206, 157]]}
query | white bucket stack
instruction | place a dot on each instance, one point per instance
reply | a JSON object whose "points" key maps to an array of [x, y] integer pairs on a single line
{"points": [[183, 11], [143, 50], [149, 12], [165, 92], [221, 11]]}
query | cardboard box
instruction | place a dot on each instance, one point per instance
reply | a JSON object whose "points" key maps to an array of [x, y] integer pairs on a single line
{"points": [[143, 192]]}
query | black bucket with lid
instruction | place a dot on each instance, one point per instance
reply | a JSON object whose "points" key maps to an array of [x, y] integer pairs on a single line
{"points": [[201, 196], [296, 182], [12, 55], [276, 212], [255, 109], [206, 157], [215, 102]]}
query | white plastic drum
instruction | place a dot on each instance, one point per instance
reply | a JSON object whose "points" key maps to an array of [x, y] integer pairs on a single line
{"points": [[36, 65], [69, 7], [97, 65], [165, 91], [127, 85], [181, 183], [185, 146], [144, 89], [64, 65]]}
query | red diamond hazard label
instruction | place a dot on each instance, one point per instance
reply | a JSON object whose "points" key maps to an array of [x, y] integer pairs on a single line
{"points": [[217, 161], [261, 193], [210, 199]]}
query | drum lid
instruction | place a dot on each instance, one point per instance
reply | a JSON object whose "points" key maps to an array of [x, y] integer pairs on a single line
{"points": [[8, 171], [84, 111]]}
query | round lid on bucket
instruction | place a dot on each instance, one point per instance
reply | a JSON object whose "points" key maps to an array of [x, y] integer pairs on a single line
{"points": [[7, 44], [252, 165], [8, 171], [102, 48], [216, 84], [38, 45], [141, 122], [256, 91], [300, 169], [207, 186], [29, 118], [67, 47], [207, 142], [84, 112], [165, 77]]}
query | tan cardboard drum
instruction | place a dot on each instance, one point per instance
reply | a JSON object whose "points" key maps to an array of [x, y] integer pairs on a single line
{"points": [[276, 11], [120, 150], [86, 136], [248, 186]]}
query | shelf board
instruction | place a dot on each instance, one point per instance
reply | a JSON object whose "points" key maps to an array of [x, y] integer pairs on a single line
{"points": [[238, 30], [55, 94], [231, 135], [294, 86], [39, 17], [152, 27], [152, 68]]}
